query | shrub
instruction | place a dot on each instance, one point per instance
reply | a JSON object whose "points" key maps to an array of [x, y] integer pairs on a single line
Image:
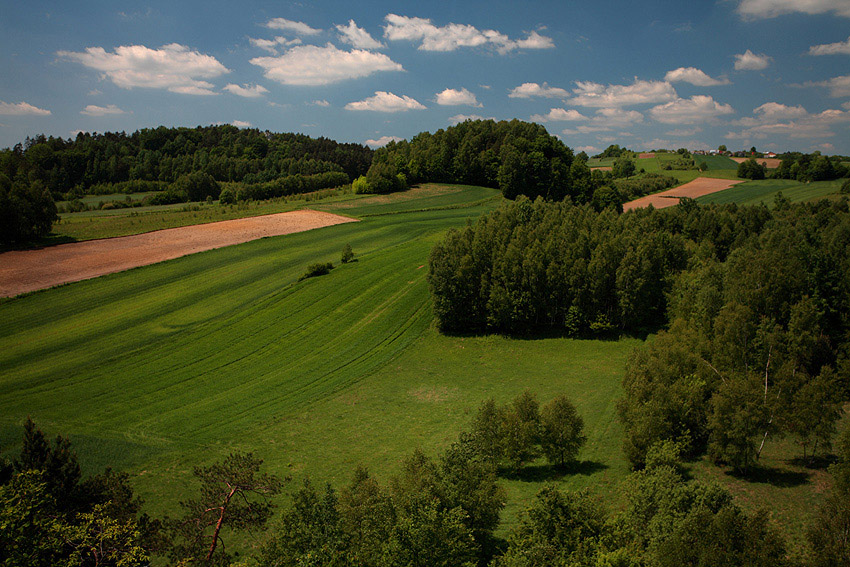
{"points": [[317, 269], [347, 254], [845, 188], [197, 186], [751, 169]]}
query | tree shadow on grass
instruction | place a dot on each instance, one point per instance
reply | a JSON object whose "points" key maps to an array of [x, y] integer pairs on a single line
{"points": [[544, 473], [773, 476], [821, 462]]}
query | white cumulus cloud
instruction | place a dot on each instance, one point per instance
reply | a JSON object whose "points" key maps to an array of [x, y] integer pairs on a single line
{"points": [[775, 119], [753, 9], [606, 120], [559, 115], [357, 37], [94, 110], [382, 141], [694, 110], [749, 61], [21, 109], [174, 67], [528, 90], [247, 91], [838, 86], [241, 124], [458, 118], [313, 65], [838, 48], [271, 45], [454, 36], [610, 96], [693, 76], [383, 101], [321, 102], [454, 97], [299, 28]]}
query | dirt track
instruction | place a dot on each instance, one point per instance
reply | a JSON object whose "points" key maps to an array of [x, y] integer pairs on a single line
{"points": [[29, 270], [696, 188]]}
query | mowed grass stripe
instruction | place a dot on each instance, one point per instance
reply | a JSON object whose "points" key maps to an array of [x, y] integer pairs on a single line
{"points": [[215, 342]]}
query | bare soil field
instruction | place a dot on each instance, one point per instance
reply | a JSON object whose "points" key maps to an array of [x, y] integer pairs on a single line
{"points": [[646, 155], [603, 168], [29, 270], [696, 188], [770, 163]]}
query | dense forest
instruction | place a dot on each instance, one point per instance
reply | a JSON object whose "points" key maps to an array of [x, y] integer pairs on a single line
{"points": [[183, 164], [164, 154]]}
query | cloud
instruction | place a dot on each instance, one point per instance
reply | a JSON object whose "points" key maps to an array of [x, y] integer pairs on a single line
{"points": [[241, 124], [749, 61], [838, 86], [587, 149], [755, 9], [173, 67], [454, 36], [606, 120], [454, 97], [458, 118], [248, 91], [839, 48], [299, 28], [682, 133], [693, 76], [528, 90], [382, 141], [357, 37], [775, 119], [93, 110], [95, 92], [271, 45], [385, 102], [313, 65], [320, 103], [21, 109], [558, 115], [694, 110], [640, 92]]}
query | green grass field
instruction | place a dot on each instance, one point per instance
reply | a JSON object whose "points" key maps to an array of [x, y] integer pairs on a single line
{"points": [[765, 191], [162, 368]]}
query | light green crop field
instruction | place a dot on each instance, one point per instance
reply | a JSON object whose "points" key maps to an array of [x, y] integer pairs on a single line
{"points": [[765, 191], [162, 368]]}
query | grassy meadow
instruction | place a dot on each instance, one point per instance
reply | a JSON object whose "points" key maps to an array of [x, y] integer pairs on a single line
{"points": [[162, 368], [766, 190]]}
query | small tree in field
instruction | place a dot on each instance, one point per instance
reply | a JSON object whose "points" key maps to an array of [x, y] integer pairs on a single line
{"points": [[233, 494], [561, 431], [347, 254]]}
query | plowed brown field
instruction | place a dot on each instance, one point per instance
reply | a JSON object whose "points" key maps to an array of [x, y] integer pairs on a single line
{"points": [[696, 188], [29, 270]]}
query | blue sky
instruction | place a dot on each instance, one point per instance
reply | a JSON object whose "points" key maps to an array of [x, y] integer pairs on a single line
{"points": [[770, 73]]}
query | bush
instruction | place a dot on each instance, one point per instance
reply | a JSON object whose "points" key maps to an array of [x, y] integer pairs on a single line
{"points": [[317, 269], [360, 185], [347, 254], [751, 169], [845, 188], [26, 212], [197, 186]]}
